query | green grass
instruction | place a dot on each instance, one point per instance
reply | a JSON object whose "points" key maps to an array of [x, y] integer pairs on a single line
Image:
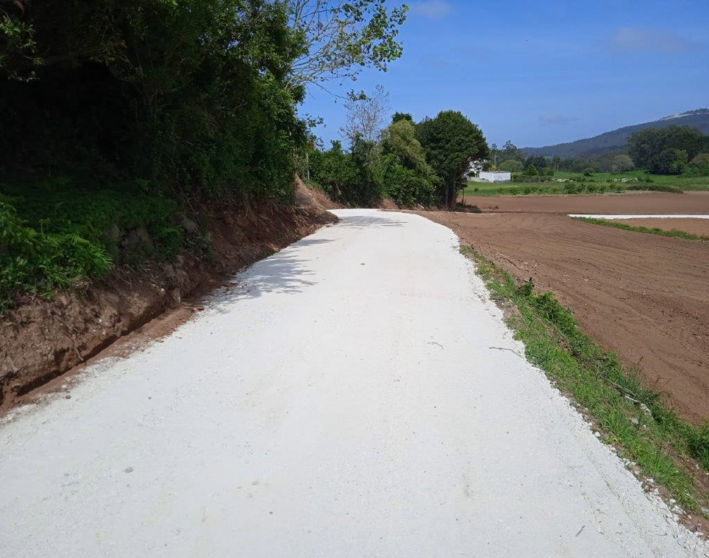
{"points": [[598, 183], [55, 233], [675, 234], [637, 421]]}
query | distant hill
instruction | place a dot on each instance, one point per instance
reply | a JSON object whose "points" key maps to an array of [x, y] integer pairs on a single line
{"points": [[616, 140]]}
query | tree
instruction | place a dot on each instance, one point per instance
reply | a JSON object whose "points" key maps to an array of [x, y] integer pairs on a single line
{"points": [[401, 116], [531, 170], [511, 152], [538, 161], [700, 164], [451, 142], [408, 179], [511, 165], [366, 115], [184, 96], [622, 163], [647, 144], [669, 161], [350, 178], [342, 37]]}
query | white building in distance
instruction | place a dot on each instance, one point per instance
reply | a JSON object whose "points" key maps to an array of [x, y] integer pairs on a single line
{"points": [[495, 176]]}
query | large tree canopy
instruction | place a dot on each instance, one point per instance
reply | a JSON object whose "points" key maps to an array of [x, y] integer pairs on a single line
{"points": [[194, 94], [648, 144], [342, 37], [451, 143], [408, 178]]}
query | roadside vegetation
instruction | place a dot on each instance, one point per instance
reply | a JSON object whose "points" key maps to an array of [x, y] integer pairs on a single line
{"points": [[422, 163], [636, 420], [119, 118], [623, 226], [570, 183], [673, 159]]}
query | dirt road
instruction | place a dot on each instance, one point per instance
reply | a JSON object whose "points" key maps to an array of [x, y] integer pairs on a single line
{"points": [[351, 396]]}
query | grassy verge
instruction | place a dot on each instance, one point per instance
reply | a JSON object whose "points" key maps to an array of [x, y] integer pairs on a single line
{"points": [[57, 232], [675, 234], [635, 420], [599, 183]]}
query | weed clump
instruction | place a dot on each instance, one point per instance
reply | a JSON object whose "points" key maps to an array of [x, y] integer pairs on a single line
{"points": [[54, 233]]}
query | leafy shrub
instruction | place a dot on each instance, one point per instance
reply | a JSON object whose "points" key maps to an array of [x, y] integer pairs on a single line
{"points": [[570, 188], [511, 165], [55, 233], [700, 164], [655, 188], [36, 262], [669, 161]]}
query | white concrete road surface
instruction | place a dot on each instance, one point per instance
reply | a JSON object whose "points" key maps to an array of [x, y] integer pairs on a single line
{"points": [[355, 395]]}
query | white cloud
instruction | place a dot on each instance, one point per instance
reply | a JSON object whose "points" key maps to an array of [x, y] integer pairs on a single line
{"points": [[431, 9], [636, 39]]}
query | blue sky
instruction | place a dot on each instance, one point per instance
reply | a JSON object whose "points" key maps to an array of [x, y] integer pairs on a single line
{"points": [[542, 72]]}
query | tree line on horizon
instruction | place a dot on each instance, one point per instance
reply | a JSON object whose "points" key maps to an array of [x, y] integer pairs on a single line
{"points": [[673, 150]]}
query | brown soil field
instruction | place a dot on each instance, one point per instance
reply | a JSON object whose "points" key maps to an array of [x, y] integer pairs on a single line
{"points": [[644, 296], [630, 203], [700, 227]]}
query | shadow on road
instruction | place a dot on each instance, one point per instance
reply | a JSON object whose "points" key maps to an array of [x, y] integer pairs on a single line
{"points": [[368, 221], [285, 272]]}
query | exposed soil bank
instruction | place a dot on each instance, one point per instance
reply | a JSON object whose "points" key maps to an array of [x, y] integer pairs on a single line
{"points": [[43, 339], [700, 227], [628, 203], [644, 296]]}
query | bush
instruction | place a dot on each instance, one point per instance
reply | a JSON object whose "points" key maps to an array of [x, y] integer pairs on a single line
{"points": [[55, 233], [655, 188], [406, 187], [700, 164], [511, 165], [352, 178], [570, 188], [531, 170], [669, 161], [622, 163]]}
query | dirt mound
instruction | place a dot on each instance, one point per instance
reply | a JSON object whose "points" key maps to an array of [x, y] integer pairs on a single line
{"points": [[644, 296], [312, 196], [41, 340], [658, 203], [388, 204]]}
